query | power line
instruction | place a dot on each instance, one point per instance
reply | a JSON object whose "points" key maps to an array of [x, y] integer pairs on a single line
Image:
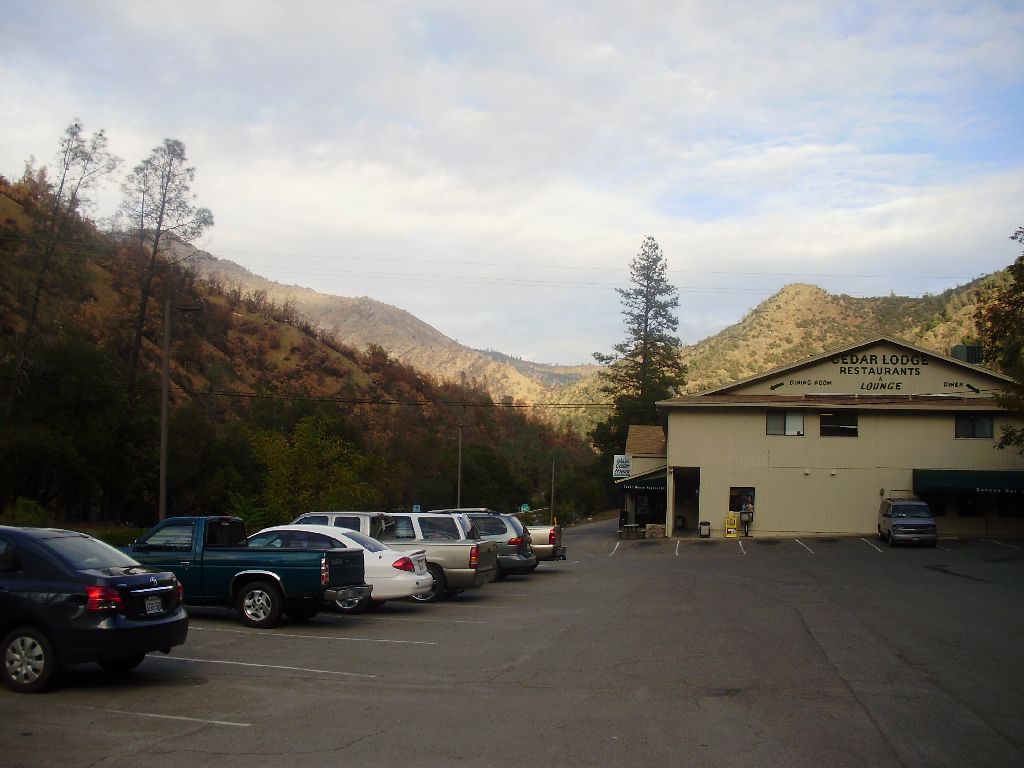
{"points": [[116, 246], [366, 400]]}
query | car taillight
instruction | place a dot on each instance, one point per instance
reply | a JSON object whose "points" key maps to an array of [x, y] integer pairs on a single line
{"points": [[404, 564], [515, 541], [181, 594], [325, 572], [103, 599], [474, 557], [552, 536]]}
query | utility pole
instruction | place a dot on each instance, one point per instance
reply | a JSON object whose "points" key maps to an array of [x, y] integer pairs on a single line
{"points": [[458, 484], [552, 492], [165, 386]]}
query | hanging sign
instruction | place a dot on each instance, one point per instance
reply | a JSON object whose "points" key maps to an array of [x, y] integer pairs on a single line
{"points": [[623, 465]]}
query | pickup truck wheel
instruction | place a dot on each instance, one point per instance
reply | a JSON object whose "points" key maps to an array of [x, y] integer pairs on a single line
{"points": [[353, 605], [29, 661], [123, 664], [302, 611], [259, 604], [440, 585]]}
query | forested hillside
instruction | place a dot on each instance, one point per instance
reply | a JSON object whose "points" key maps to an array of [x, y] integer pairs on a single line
{"points": [[362, 321], [270, 414]]}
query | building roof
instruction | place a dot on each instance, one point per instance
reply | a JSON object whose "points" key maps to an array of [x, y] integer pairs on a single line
{"points": [[853, 348], [645, 440], [879, 374], [866, 402]]}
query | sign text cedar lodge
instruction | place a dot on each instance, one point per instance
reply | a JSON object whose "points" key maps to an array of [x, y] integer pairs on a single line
{"points": [[873, 364]]}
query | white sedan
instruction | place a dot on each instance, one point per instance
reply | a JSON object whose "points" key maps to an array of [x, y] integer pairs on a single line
{"points": [[393, 575]]}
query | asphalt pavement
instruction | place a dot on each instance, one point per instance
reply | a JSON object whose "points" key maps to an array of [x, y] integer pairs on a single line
{"points": [[794, 652]]}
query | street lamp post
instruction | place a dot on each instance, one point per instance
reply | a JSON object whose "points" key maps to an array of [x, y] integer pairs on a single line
{"points": [[458, 483]]}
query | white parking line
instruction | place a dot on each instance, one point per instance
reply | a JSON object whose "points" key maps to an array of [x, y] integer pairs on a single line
{"points": [[168, 717], [741, 546], [1002, 544], [677, 548], [261, 666], [264, 633], [804, 546], [614, 548], [424, 621], [870, 544]]}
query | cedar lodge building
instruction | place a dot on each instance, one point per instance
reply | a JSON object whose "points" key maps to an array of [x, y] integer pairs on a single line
{"points": [[814, 446]]}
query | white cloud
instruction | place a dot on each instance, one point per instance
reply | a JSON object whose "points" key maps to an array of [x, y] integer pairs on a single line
{"points": [[492, 168]]}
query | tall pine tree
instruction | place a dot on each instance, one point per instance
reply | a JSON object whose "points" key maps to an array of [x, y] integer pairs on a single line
{"points": [[647, 365]]}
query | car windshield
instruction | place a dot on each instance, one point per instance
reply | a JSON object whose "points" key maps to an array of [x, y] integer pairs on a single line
{"points": [[85, 553], [366, 542], [911, 510], [489, 525]]}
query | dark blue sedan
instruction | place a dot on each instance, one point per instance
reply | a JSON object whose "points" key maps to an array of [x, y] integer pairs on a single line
{"points": [[67, 598]]}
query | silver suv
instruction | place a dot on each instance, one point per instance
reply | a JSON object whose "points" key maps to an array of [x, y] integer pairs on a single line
{"points": [[906, 521]]}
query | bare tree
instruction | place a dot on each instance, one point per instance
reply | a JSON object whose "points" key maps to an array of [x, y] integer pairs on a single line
{"points": [[81, 163], [158, 201]]}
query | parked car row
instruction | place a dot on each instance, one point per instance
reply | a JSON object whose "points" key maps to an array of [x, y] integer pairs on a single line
{"points": [[67, 598], [465, 548]]}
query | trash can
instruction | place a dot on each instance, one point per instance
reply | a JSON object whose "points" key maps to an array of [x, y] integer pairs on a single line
{"points": [[705, 529]]}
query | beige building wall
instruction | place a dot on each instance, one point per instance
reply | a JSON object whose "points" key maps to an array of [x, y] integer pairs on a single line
{"points": [[822, 484], [642, 464]]}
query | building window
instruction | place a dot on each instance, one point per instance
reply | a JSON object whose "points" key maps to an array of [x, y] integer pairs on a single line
{"points": [[973, 425], [839, 424], [785, 423]]}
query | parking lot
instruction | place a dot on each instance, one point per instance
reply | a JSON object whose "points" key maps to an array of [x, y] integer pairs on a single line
{"points": [[793, 652]]}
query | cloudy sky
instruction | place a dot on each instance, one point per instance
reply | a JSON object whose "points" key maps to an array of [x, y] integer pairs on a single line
{"points": [[493, 167]]}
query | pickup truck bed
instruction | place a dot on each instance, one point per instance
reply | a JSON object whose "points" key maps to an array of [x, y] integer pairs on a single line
{"points": [[546, 541], [455, 561]]}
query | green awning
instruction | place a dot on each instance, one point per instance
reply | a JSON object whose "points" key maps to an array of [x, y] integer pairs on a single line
{"points": [[969, 480]]}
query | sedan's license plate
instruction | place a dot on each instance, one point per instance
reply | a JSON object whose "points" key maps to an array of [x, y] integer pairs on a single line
{"points": [[154, 605]]}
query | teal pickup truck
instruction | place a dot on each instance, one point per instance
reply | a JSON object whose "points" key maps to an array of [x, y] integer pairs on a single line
{"points": [[210, 557]]}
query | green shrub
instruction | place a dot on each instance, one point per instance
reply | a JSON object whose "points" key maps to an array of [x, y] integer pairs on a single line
{"points": [[26, 512]]}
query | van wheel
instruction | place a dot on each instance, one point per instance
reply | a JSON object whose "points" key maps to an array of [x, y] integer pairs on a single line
{"points": [[259, 604], [29, 661]]}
